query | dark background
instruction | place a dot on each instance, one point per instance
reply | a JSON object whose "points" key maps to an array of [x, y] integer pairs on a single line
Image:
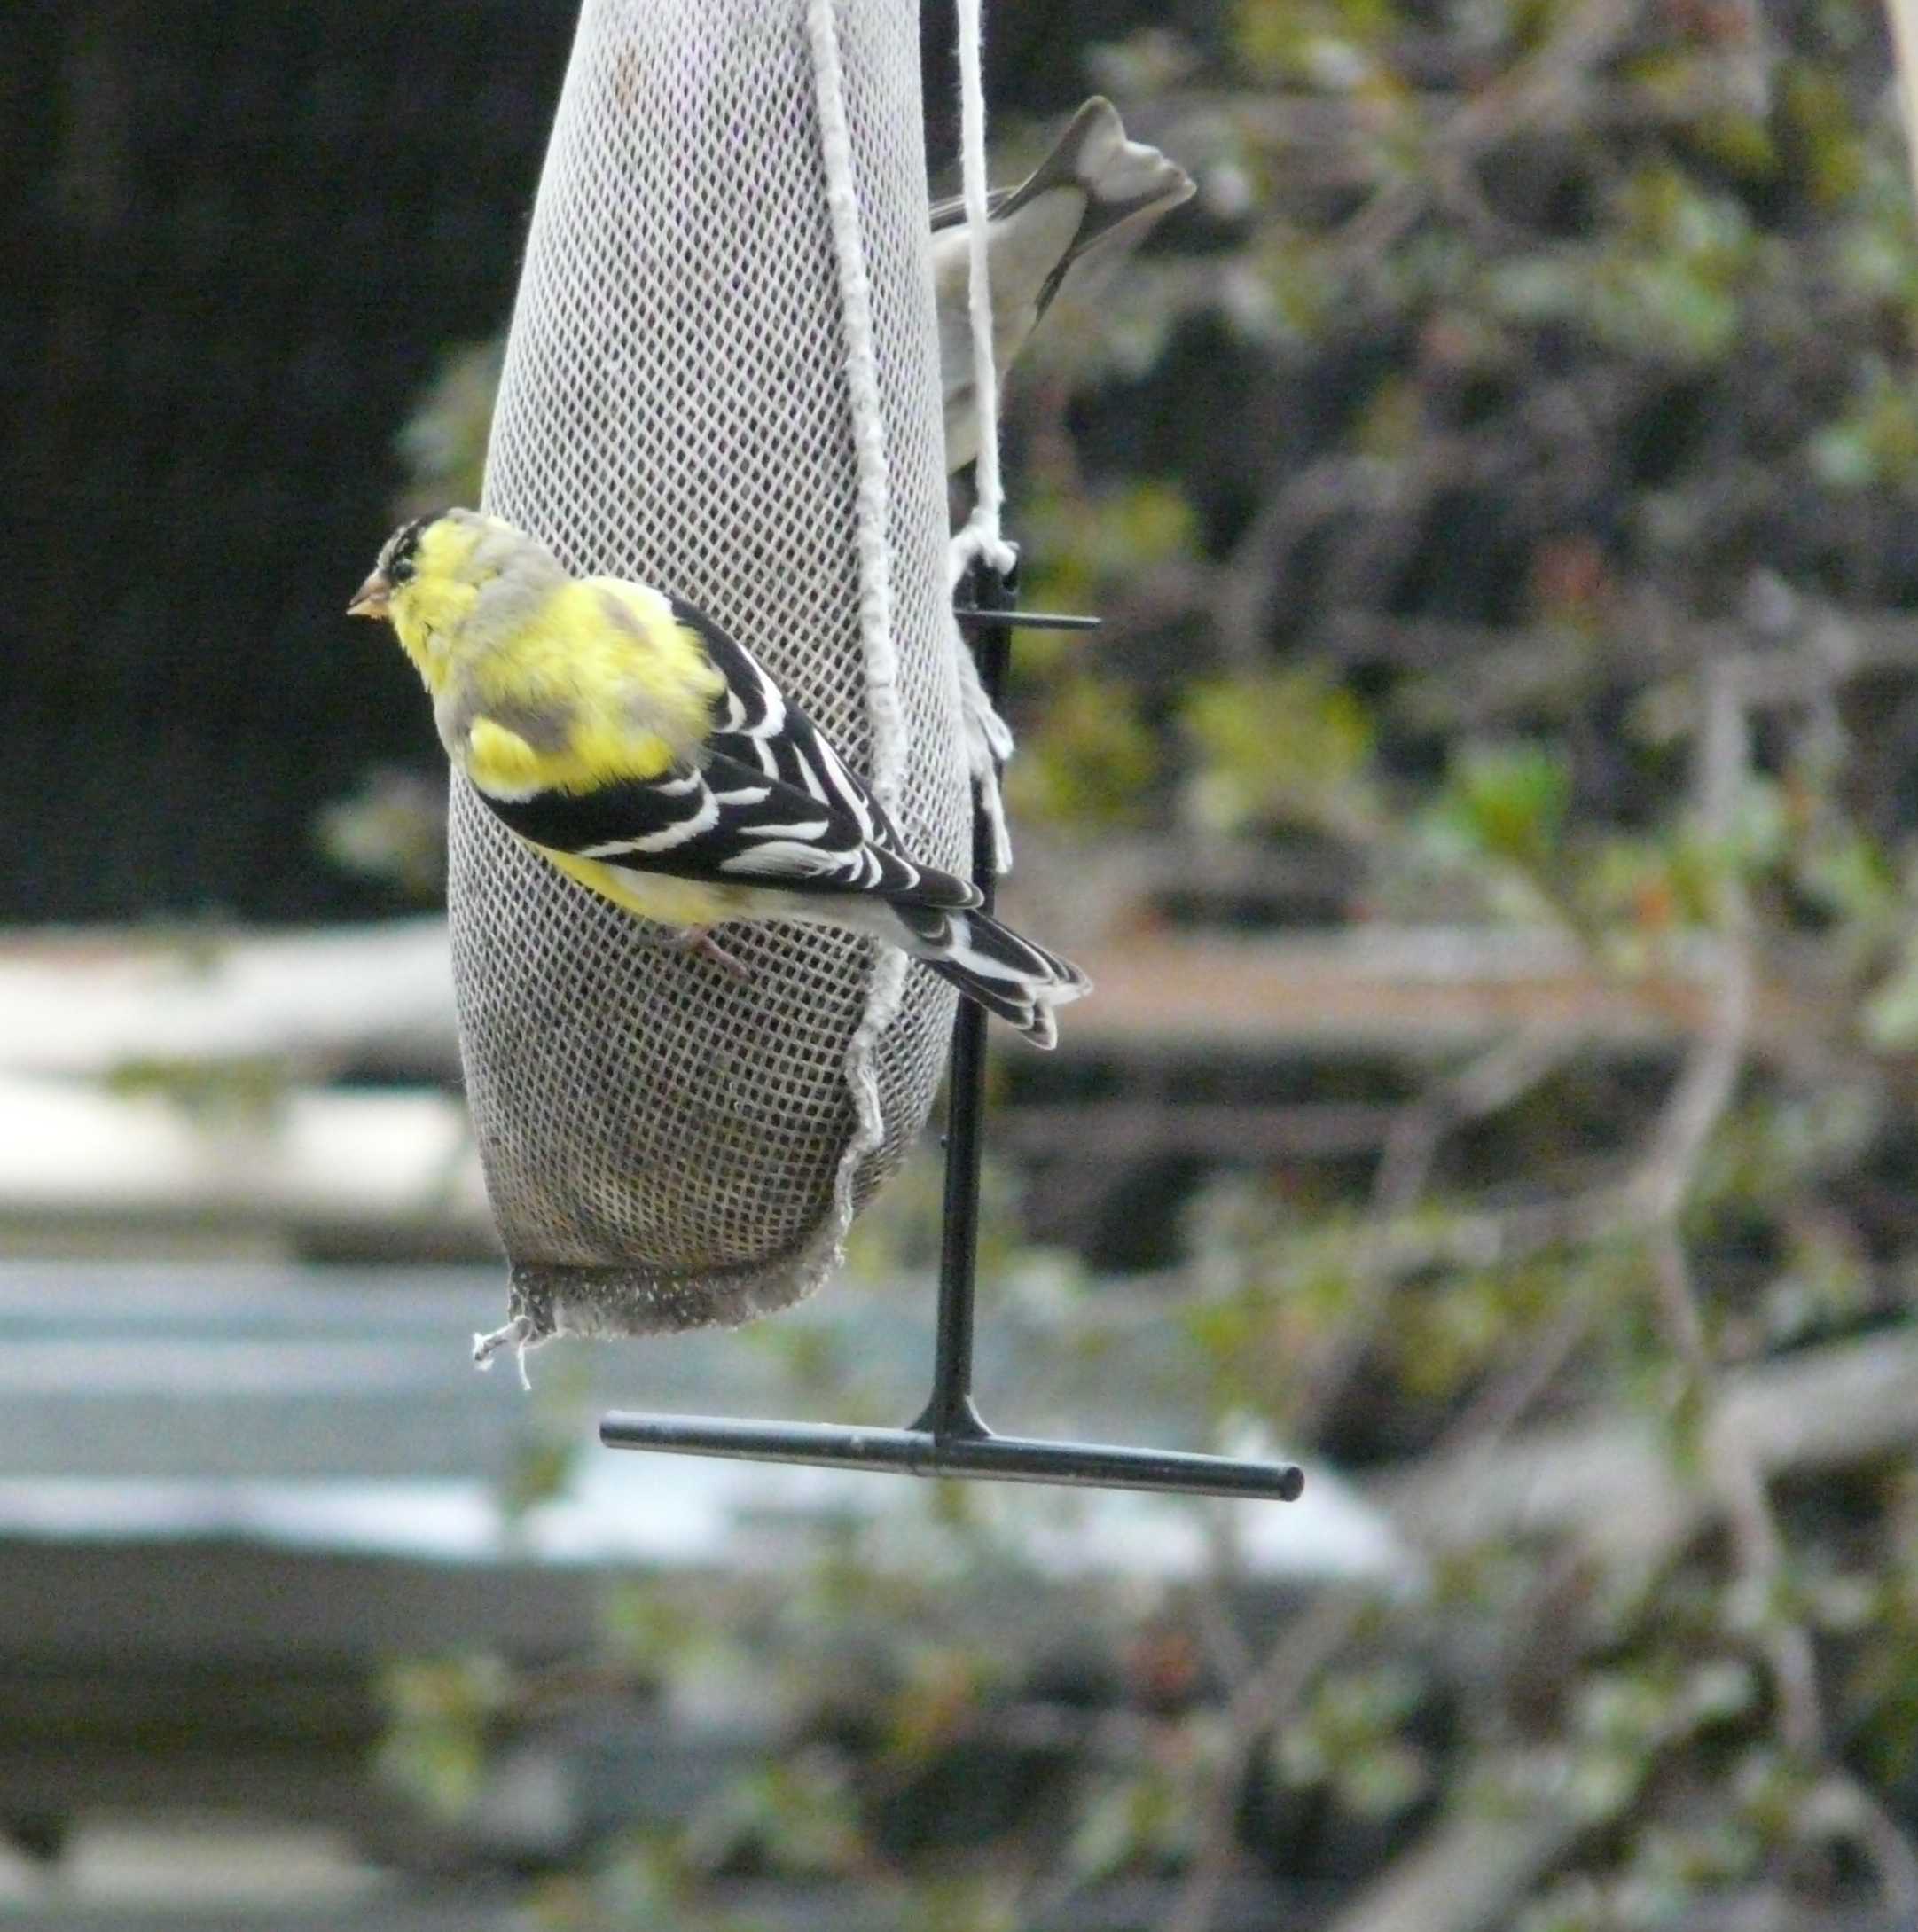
{"points": [[235, 241]]}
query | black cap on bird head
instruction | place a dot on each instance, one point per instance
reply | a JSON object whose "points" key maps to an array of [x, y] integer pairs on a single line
{"points": [[393, 567]]}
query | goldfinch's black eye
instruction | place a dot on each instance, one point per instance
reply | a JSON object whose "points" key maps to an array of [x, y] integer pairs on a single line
{"points": [[397, 561]]}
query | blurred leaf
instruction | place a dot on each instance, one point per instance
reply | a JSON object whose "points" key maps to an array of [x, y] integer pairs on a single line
{"points": [[443, 444], [235, 1089], [1336, 44], [1508, 802], [1817, 111], [1087, 548], [1891, 1014], [392, 827], [1089, 760], [1285, 746], [1349, 1738], [1874, 443], [440, 1716], [798, 1815]]}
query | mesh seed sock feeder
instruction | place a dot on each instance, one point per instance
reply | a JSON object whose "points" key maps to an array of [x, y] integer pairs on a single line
{"points": [[665, 1148], [723, 379]]}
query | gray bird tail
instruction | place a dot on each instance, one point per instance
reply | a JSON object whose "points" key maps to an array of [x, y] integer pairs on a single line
{"points": [[1127, 184], [991, 964]]}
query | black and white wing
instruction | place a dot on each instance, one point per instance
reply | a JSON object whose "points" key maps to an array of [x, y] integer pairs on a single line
{"points": [[725, 824], [760, 728], [769, 804]]}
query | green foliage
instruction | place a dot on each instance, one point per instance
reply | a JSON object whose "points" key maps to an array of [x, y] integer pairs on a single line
{"points": [[900, 1232], [1890, 1016], [1452, 1327], [1668, 277], [799, 1812], [1874, 444], [1821, 118], [1350, 1740], [439, 1718], [1088, 755], [1523, 380], [1336, 44], [546, 1447], [1625, 1721], [1288, 747], [1090, 759], [1143, 1819], [1509, 803], [1086, 543], [245, 1089], [442, 445], [1502, 817], [391, 828]]}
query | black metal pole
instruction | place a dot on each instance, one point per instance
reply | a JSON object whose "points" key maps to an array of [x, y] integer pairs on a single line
{"points": [[949, 1439], [949, 1414]]}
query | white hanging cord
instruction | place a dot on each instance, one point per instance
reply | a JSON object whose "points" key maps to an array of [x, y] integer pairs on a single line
{"points": [[980, 536], [989, 743]]}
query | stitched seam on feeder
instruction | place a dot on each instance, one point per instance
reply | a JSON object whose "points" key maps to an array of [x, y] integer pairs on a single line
{"points": [[882, 1006], [887, 983], [868, 422]]}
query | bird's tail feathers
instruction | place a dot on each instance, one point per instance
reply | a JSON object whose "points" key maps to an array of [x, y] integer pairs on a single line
{"points": [[1123, 180], [990, 963]]}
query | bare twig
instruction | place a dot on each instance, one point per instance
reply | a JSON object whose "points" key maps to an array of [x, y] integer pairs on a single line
{"points": [[1493, 1080], [1758, 1545], [1247, 585], [1533, 91], [1704, 1088], [1259, 1701], [1475, 1865], [1822, 1409], [1263, 1696], [1428, 1890]]}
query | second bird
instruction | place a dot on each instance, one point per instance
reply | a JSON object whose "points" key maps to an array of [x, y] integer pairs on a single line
{"points": [[1093, 197], [627, 739]]}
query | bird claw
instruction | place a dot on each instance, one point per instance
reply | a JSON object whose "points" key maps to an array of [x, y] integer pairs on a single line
{"points": [[704, 946]]}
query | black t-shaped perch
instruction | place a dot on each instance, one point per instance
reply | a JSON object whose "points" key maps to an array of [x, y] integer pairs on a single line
{"points": [[949, 1439]]}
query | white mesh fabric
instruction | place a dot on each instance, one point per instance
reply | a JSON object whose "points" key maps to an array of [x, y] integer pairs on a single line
{"points": [[663, 1146]]}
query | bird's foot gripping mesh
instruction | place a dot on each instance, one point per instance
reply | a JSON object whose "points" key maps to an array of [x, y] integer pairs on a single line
{"points": [[721, 379]]}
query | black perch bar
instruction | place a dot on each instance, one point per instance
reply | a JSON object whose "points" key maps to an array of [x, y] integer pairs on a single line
{"points": [[949, 1439], [920, 1452]]}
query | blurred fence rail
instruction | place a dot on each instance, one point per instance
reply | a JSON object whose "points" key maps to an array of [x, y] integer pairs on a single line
{"points": [[298, 1086], [381, 997]]}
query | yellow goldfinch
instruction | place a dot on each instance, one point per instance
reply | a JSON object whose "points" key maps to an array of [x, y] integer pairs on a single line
{"points": [[623, 736], [1093, 197]]}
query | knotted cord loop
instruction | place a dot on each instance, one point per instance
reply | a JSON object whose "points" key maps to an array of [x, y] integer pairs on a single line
{"points": [[989, 741]]}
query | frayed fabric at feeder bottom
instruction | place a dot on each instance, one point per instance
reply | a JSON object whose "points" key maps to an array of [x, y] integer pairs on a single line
{"points": [[547, 1301]]}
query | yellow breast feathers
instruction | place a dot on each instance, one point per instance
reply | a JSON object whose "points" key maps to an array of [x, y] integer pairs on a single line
{"points": [[603, 684]]}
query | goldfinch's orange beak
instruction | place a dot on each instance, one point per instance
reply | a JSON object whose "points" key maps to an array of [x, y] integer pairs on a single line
{"points": [[370, 600]]}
